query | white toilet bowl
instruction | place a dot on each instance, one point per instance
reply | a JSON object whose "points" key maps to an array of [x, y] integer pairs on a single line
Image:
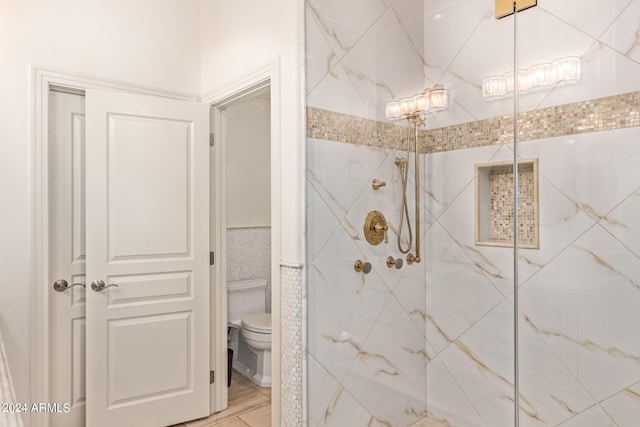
{"points": [[246, 314], [256, 333], [256, 330]]}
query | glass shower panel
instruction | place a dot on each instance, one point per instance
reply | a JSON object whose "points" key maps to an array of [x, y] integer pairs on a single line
{"points": [[580, 289], [393, 343], [367, 351], [469, 250]]}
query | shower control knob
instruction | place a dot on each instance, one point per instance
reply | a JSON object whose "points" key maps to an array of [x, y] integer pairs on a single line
{"points": [[375, 184], [397, 263], [362, 267]]}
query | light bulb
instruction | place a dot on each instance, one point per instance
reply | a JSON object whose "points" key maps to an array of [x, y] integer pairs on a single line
{"points": [[439, 99], [393, 110], [422, 102], [568, 69], [494, 87]]}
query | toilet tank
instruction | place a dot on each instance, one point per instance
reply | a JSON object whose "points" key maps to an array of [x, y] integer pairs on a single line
{"points": [[245, 297]]}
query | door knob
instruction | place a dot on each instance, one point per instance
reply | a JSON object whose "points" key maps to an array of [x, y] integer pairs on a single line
{"points": [[99, 285], [62, 285]]}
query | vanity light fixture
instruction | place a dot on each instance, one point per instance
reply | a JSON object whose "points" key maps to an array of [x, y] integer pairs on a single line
{"points": [[414, 109], [538, 76], [429, 101]]}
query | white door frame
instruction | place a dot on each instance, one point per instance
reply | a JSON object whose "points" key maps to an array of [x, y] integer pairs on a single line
{"points": [[267, 75], [43, 80]]}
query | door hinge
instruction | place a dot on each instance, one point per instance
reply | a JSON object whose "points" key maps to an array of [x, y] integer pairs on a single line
{"points": [[212, 377], [212, 140], [212, 258]]}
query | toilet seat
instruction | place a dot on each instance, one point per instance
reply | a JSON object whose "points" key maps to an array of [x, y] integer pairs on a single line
{"points": [[258, 323], [256, 330]]}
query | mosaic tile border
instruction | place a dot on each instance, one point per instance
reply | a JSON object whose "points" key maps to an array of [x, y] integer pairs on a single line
{"points": [[612, 112], [291, 330]]}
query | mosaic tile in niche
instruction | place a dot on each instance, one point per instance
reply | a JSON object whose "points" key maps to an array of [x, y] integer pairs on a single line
{"points": [[494, 204]]}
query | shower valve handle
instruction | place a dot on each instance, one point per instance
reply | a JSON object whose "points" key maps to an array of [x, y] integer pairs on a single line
{"points": [[375, 228], [383, 228]]}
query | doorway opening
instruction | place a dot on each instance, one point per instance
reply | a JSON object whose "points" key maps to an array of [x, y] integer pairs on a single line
{"points": [[241, 186]]}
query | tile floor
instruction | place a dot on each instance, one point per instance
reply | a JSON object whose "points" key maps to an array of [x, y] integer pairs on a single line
{"points": [[249, 406]]}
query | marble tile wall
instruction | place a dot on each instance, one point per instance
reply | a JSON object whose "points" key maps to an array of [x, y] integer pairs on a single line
{"points": [[436, 339], [579, 293], [367, 351]]}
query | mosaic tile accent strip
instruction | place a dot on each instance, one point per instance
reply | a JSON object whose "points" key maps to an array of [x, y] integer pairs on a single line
{"points": [[249, 256], [612, 112], [328, 125], [291, 345]]}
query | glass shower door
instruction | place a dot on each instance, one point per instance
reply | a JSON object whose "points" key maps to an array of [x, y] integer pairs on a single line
{"points": [[580, 289], [469, 189]]}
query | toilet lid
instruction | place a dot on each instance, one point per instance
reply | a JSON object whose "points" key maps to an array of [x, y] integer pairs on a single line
{"points": [[259, 322]]}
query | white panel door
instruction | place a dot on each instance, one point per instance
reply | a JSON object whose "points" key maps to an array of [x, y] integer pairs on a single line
{"points": [[147, 219], [67, 257]]}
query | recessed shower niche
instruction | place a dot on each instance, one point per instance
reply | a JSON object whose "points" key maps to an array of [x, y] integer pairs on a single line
{"points": [[494, 204]]}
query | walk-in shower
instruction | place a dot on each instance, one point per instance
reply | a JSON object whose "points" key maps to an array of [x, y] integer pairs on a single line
{"points": [[522, 309]]}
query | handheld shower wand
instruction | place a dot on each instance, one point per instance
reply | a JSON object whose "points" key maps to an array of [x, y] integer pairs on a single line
{"points": [[403, 163], [414, 110]]}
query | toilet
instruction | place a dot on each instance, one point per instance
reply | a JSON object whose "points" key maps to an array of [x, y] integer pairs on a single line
{"points": [[246, 313]]}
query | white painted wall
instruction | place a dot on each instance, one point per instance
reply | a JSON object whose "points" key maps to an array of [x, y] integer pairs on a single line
{"points": [[158, 43], [240, 36], [150, 42], [248, 134]]}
